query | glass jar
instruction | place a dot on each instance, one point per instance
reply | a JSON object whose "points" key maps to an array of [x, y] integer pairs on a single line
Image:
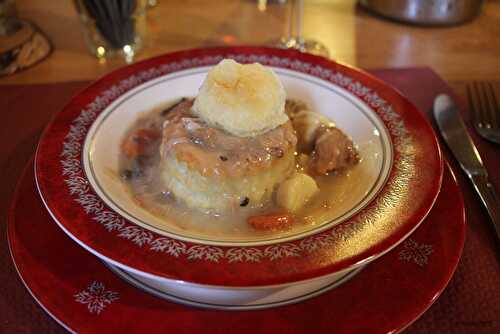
{"points": [[113, 27]]}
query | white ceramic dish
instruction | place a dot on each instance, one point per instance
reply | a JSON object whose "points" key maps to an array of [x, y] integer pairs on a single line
{"points": [[103, 142], [226, 298]]}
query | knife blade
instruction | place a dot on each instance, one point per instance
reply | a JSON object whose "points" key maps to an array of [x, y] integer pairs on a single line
{"points": [[457, 138]]}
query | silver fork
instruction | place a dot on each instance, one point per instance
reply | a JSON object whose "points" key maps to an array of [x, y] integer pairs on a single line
{"points": [[484, 106]]}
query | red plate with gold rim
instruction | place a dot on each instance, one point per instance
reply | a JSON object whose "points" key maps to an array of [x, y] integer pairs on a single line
{"points": [[77, 290], [405, 174]]}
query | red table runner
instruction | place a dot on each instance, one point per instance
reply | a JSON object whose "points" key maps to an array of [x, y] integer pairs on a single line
{"points": [[470, 304]]}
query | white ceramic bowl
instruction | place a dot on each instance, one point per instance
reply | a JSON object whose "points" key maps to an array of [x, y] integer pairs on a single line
{"points": [[351, 114]]}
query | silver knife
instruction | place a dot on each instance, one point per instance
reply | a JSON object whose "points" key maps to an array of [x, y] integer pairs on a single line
{"points": [[459, 141]]}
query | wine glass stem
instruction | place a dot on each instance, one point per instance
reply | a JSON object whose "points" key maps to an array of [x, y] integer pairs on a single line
{"points": [[299, 12], [294, 37]]}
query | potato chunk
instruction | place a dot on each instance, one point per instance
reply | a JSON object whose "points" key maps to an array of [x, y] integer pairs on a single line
{"points": [[295, 192]]}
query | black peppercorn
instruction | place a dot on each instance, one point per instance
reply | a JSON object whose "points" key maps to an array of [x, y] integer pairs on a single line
{"points": [[245, 201]]}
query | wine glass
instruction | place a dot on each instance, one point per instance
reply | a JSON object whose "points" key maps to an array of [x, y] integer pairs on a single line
{"points": [[294, 38]]}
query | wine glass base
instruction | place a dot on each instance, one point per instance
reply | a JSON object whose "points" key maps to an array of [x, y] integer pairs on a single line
{"points": [[303, 45]]}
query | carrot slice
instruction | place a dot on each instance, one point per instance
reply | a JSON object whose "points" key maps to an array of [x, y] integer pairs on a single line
{"points": [[269, 222], [137, 142]]}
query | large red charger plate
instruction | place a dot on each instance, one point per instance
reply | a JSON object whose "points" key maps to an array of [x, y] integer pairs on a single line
{"points": [[79, 291], [397, 210]]}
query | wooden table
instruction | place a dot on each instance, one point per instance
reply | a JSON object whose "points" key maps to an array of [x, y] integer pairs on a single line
{"points": [[458, 54]]}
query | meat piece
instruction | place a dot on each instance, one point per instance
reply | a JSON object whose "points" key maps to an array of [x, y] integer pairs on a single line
{"points": [[333, 151], [201, 146], [179, 110], [184, 100], [306, 123]]}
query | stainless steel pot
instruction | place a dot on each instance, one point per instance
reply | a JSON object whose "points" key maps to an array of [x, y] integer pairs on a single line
{"points": [[426, 12]]}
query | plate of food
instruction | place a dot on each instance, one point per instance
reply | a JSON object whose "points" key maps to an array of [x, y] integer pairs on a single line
{"points": [[238, 168], [239, 164]]}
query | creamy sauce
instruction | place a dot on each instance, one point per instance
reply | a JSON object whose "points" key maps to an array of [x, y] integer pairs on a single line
{"points": [[214, 152], [338, 192]]}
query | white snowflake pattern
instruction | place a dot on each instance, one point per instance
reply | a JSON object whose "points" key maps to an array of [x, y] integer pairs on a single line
{"points": [[202, 252], [110, 220], [90, 203], [240, 254], [313, 243], [168, 246], [82, 193], [71, 167], [416, 252], [282, 250], [77, 185], [96, 297], [137, 234]]}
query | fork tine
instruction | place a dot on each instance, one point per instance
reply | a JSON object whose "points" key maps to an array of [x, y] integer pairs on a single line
{"points": [[492, 101], [474, 104], [484, 104], [483, 107], [469, 99]]}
